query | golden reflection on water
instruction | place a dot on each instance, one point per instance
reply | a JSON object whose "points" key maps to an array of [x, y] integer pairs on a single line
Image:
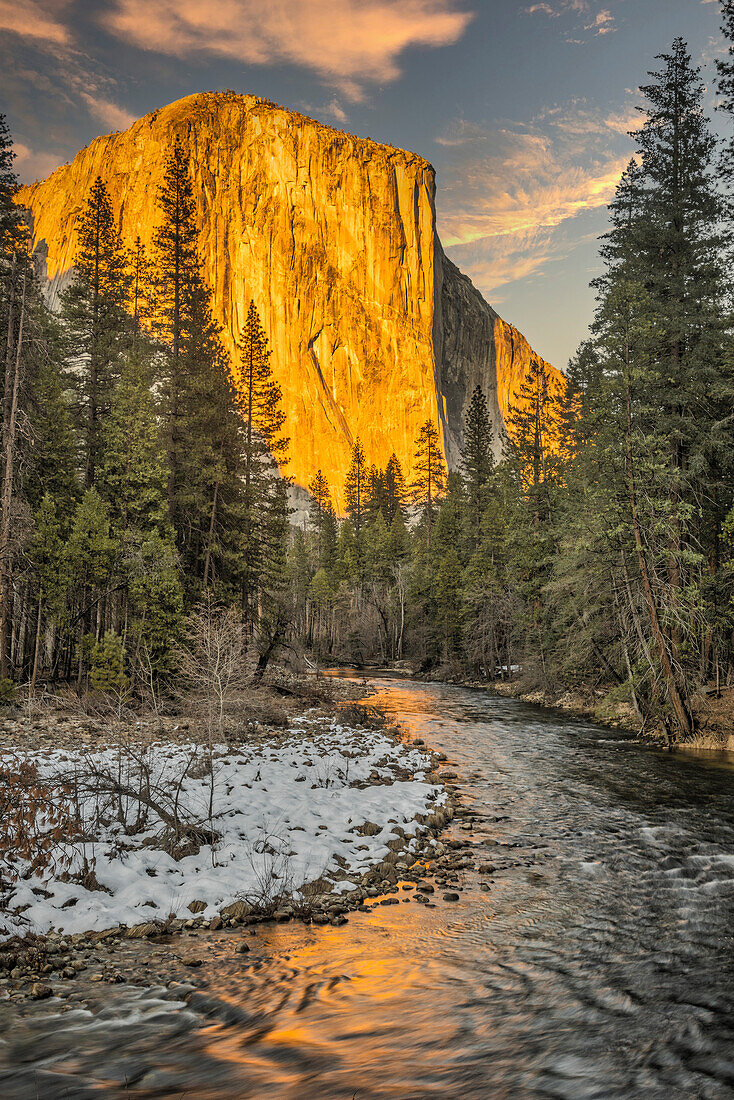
{"points": [[352, 997]]}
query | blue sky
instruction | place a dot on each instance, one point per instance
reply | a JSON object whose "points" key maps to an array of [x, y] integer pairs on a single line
{"points": [[522, 106]]}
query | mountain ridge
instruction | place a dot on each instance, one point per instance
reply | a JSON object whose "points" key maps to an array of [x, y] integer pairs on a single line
{"points": [[372, 328]]}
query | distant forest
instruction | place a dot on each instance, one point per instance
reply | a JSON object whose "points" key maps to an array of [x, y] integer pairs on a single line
{"points": [[141, 477]]}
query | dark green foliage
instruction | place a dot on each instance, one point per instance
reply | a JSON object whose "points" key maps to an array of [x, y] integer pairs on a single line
{"points": [[107, 672], [93, 309], [10, 215], [137, 469], [263, 445], [321, 508], [477, 461], [394, 493], [357, 487], [429, 475], [201, 410], [599, 552], [375, 502]]}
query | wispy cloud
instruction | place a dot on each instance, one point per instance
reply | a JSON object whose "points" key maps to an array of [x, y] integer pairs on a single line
{"points": [[336, 111], [506, 195], [347, 42], [586, 17], [331, 110], [33, 20], [31, 166], [110, 114]]}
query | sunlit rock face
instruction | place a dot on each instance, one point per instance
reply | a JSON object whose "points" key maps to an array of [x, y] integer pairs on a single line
{"points": [[372, 329]]}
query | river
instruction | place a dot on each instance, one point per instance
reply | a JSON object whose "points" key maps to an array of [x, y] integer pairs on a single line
{"points": [[597, 960]]}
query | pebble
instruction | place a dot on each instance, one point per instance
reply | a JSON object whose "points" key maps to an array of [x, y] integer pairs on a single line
{"points": [[450, 896]]}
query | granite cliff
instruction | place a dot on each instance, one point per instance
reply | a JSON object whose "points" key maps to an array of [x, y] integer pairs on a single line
{"points": [[372, 328]]}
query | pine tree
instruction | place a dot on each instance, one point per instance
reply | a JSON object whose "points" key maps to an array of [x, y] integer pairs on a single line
{"points": [[261, 399], [689, 375], [278, 608], [320, 505], [175, 257], [15, 378], [46, 559], [394, 491], [52, 461], [89, 562], [200, 405], [329, 539], [374, 503], [141, 287], [533, 478], [356, 487], [322, 597], [30, 401], [93, 307], [11, 232], [725, 69], [264, 447], [133, 476], [663, 385], [133, 482], [449, 602], [534, 421], [477, 459], [429, 474]]}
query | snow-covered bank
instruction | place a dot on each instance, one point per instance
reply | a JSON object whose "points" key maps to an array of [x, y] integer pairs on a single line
{"points": [[328, 802]]}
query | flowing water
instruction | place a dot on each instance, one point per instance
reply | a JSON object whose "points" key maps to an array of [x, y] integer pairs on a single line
{"points": [[600, 962]]}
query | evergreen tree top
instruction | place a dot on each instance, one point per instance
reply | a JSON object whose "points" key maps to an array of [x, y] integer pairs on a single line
{"points": [[11, 217]]}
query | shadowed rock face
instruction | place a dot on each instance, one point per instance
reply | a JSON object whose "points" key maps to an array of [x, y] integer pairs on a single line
{"points": [[372, 329]]}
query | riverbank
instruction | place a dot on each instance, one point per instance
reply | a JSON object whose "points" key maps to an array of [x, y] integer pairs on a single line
{"points": [[573, 922], [168, 837], [713, 715]]}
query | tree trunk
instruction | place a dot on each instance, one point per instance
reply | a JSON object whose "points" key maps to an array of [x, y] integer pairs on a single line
{"points": [[212, 525], [677, 701], [10, 404]]}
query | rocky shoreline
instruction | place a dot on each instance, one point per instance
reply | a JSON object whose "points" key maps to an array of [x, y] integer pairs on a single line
{"points": [[714, 715], [170, 953], [72, 968]]}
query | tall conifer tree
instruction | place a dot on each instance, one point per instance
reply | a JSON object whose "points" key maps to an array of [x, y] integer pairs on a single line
{"points": [[94, 310], [429, 474], [356, 487], [394, 491], [201, 407], [320, 506], [264, 447], [477, 460]]}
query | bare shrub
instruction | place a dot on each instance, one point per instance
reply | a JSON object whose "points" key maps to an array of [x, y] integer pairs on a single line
{"points": [[134, 786], [37, 817], [363, 714], [270, 859], [249, 710], [214, 665]]}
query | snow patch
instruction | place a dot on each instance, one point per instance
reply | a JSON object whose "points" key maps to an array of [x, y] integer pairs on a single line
{"points": [[287, 813]]}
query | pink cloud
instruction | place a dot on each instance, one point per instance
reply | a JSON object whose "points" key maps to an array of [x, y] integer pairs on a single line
{"points": [[31, 166], [347, 42], [588, 18], [507, 197], [32, 20], [117, 118]]}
